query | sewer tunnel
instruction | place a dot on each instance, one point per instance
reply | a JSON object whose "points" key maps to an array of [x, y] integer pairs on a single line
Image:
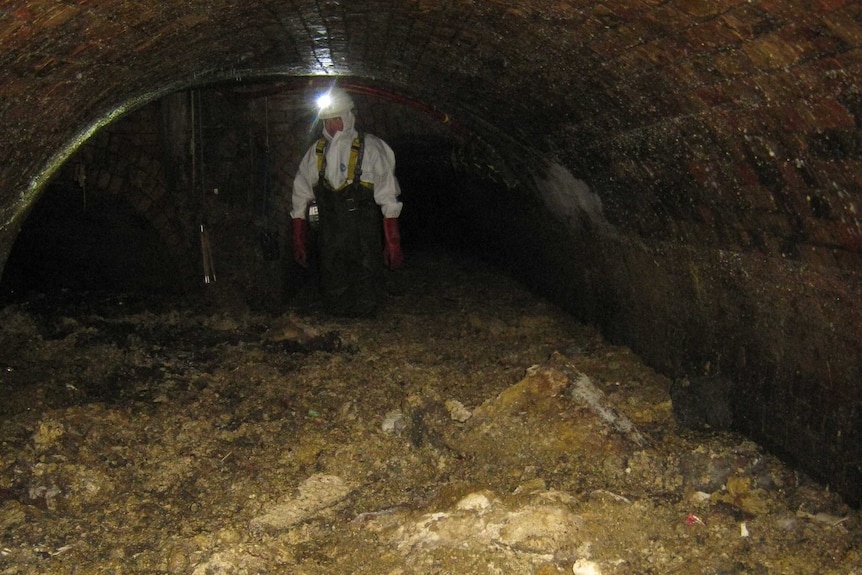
{"points": [[685, 175]]}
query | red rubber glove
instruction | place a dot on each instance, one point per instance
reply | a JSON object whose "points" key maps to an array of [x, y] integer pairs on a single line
{"points": [[300, 231], [392, 254]]}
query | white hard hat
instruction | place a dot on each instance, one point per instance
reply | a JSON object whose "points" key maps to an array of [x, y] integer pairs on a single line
{"points": [[333, 104]]}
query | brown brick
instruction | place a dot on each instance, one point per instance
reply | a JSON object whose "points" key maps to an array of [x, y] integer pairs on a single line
{"points": [[661, 52], [762, 199], [743, 174], [732, 64], [56, 16], [780, 87], [827, 5], [744, 20], [702, 8], [825, 114], [769, 52], [817, 256], [616, 41], [845, 28], [713, 96], [712, 36], [849, 260], [778, 8], [811, 42], [825, 75], [846, 174], [745, 92], [851, 234], [823, 232], [791, 175]]}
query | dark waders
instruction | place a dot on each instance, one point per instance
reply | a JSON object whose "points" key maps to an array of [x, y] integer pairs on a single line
{"points": [[351, 250]]}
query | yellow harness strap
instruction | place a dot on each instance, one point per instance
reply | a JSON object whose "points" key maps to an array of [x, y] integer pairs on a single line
{"points": [[355, 148]]}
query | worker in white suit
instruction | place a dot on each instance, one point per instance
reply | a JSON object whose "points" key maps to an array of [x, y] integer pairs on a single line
{"points": [[346, 185]]}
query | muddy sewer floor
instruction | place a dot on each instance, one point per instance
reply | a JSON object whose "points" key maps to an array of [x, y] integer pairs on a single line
{"points": [[470, 428]]}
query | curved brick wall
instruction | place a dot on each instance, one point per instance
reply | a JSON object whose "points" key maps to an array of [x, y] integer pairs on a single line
{"points": [[686, 174]]}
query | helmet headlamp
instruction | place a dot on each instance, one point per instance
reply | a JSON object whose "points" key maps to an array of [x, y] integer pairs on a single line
{"points": [[333, 104], [324, 101]]}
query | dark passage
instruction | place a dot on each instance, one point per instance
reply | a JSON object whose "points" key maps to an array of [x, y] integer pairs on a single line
{"points": [[102, 245]]}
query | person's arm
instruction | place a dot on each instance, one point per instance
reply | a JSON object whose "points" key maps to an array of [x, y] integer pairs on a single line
{"points": [[380, 171], [303, 193], [386, 192]]}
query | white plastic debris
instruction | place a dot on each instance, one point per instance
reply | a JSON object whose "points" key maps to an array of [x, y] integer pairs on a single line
{"points": [[586, 567], [317, 493], [584, 390], [394, 422], [700, 497], [474, 502]]}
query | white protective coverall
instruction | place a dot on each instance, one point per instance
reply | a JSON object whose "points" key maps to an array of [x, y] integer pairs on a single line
{"points": [[378, 168]]}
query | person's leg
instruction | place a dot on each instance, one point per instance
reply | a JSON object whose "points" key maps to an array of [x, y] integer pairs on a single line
{"points": [[368, 273], [335, 246]]}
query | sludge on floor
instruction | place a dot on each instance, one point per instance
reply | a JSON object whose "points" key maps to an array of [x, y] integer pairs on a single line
{"points": [[470, 428]]}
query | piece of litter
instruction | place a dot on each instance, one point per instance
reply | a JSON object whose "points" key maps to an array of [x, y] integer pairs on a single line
{"points": [[394, 422], [585, 567], [700, 497], [457, 411]]}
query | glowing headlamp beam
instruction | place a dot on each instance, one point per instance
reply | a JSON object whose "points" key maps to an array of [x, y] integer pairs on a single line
{"points": [[323, 101]]}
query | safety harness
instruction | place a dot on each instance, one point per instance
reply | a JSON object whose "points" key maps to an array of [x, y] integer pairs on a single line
{"points": [[354, 165], [351, 195]]}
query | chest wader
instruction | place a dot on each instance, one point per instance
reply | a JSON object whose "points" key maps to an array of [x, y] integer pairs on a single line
{"points": [[351, 261]]}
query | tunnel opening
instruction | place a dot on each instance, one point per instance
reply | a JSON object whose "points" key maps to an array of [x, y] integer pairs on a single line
{"points": [[223, 156], [425, 173], [101, 246]]}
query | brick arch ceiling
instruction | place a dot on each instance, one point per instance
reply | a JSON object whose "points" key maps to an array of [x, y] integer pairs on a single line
{"points": [[685, 94], [720, 139]]}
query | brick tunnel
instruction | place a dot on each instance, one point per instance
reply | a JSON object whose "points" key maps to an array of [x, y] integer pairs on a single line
{"points": [[683, 174]]}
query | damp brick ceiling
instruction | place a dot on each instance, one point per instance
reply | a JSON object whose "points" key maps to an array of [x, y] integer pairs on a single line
{"points": [[693, 94]]}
